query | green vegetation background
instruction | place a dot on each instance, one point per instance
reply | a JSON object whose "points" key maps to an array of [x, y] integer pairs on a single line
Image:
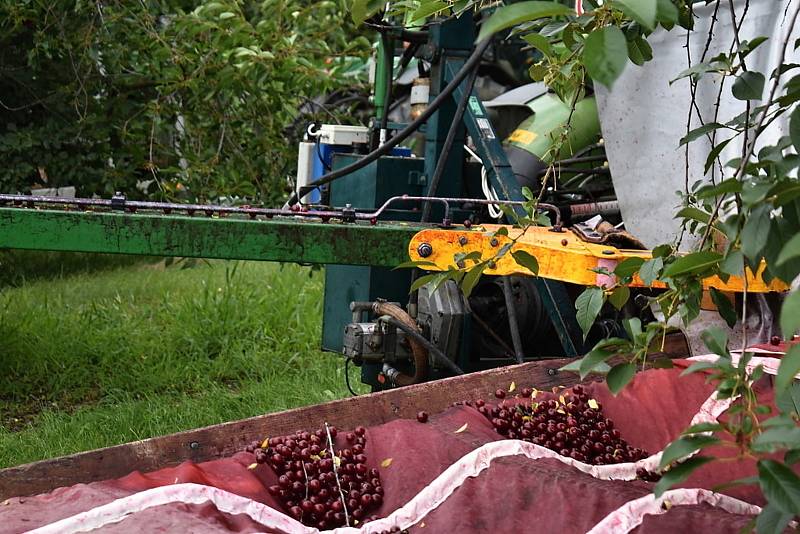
{"points": [[100, 350]]}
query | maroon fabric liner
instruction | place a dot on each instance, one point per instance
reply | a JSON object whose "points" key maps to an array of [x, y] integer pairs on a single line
{"points": [[513, 494]]}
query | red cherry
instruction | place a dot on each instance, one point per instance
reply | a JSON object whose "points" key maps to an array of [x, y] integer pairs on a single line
{"points": [[360, 431], [422, 417], [500, 394]]}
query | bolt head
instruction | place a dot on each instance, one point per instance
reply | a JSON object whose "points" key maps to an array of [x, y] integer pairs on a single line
{"points": [[494, 242], [462, 240], [424, 250]]}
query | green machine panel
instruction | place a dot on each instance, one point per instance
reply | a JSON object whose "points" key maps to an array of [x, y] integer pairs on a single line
{"points": [[368, 188]]}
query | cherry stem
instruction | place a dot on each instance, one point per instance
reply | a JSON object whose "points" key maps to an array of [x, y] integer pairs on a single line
{"points": [[336, 474]]}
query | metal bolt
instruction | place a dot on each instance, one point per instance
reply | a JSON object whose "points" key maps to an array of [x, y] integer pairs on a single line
{"points": [[492, 264], [608, 252], [462, 240], [494, 242], [551, 372], [194, 445], [424, 250]]}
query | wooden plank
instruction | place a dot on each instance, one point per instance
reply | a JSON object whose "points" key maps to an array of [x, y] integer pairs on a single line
{"points": [[227, 438]]}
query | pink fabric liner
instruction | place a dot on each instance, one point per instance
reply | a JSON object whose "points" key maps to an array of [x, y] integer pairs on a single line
{"points": [[437, 491]]}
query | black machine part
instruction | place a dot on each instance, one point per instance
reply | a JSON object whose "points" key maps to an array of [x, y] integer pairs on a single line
{"points": [[445, 322], [441, 315]]}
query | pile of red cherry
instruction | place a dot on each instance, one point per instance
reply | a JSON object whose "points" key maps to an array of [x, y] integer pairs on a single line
{"points": [[317, 488], [573, 425]]}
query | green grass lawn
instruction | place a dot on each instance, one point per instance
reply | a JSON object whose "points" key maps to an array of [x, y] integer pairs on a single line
{"points": [[95, 357]]}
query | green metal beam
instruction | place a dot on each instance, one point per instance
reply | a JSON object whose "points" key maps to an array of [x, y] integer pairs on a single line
{"points": [[279, 239]]}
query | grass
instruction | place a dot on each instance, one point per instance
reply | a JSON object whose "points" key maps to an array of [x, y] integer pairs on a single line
{"points": [[130, 351]]}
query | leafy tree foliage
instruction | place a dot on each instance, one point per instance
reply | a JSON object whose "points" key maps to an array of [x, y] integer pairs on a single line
{"points": [[192, 98]]}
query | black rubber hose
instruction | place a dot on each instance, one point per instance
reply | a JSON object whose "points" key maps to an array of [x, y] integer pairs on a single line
{"points": [[438, 354], [388, 62], [448, 143], [513, 325], [403, 134]]}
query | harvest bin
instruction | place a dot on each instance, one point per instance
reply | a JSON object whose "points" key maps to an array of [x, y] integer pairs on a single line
{"points": [[451, 473]]}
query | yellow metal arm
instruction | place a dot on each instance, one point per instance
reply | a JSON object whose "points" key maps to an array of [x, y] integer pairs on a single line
{"points": [[561, 255]]}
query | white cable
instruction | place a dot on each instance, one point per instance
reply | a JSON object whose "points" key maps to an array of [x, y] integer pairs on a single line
{"points": [[486, 187]]}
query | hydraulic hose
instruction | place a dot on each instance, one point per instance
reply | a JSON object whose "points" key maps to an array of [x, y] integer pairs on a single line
{"points": [[399, 318], [415, 335], [403, 134]]}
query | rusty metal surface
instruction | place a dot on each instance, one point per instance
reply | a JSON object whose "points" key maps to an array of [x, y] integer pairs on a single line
{"points": [[278, 239]]}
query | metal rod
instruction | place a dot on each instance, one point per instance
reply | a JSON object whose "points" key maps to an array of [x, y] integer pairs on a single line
{"points": [[512, 320], [122, 204]]}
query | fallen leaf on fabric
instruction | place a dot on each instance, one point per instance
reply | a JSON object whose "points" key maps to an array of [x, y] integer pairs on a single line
{"points": [[386, 463], [463, 428]]}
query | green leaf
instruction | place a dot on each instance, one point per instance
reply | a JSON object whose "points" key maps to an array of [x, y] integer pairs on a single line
{"points": [[695, 214], [471, 278], [628, 267], [700, 131], [619, 297], [780, 485], [226, 15], [619, 376], [362, 9], [731, 185], [749, 85], [714, 154], [716, 339], [679, 474], [733, 263], [772, 520], [782, 437], [788, 400], [639, 51], [539, 42], [684, 446], [790, 250], [666, 13], [427, 9], [724, 306], [794, 128], [790, 314], [422, 280], [511, 15], [693, 263], [591, 361], [649, 270], [575, 366], [699, 366], [642, 11], [756, 232], [789, 367], [527, 260], [588, 306], [415, 263], [605, 53]]}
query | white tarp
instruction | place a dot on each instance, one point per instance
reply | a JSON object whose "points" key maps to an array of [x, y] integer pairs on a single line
{"points": [[644, 117]]}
